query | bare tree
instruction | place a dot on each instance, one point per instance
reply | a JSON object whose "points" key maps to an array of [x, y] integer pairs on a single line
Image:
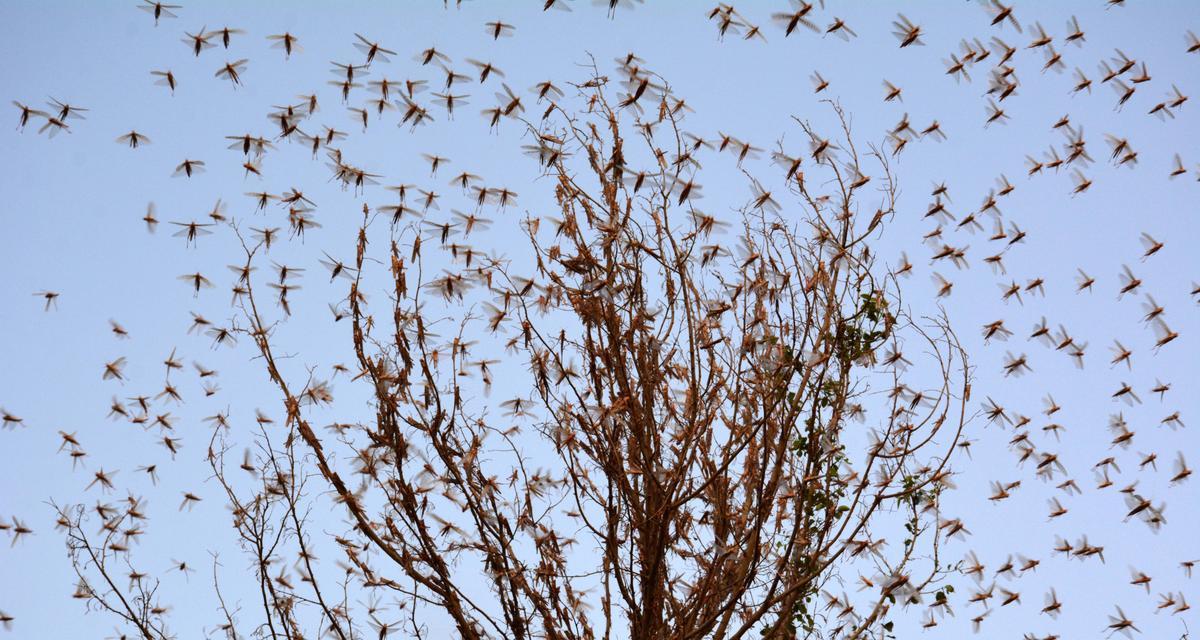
{"points": [[711, 428]]}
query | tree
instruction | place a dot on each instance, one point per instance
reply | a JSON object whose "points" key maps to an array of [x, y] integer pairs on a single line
{"points": [[707, 434]]}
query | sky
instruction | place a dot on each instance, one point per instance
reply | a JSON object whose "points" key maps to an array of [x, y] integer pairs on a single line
{"points": [[70, 222]]}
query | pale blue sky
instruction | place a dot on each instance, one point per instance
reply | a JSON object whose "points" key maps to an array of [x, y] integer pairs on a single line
{"points": [[70, 222]]}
